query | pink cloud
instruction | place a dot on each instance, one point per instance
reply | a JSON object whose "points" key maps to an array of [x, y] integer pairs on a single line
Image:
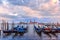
{"points": [[32, 13], [3, 10], [15, 11]]}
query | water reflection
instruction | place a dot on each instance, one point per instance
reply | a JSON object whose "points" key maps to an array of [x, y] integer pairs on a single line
{"points": [[31, 34]]}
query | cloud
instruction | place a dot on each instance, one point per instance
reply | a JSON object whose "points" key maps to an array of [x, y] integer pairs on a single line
{"points": [[31, 12], [50, 8], [16, 12], [17, 9], [3, 9]]}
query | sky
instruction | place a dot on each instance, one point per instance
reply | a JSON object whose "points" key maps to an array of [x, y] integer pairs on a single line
{"points": [[26, 10]]}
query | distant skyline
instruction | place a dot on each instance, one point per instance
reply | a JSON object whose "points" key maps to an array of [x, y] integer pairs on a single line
{"points": [[26, 10]]}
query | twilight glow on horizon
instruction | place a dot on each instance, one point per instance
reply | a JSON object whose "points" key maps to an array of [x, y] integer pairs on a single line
{"points": [[22, 10]]}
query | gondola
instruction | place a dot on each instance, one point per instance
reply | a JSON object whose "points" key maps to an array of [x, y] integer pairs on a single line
{"points": [[20, 29], [38, 30], [52, 30], [47, 31], [56, 29]]}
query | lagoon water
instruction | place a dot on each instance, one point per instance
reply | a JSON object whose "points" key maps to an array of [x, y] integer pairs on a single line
{"points": [[30, 35]]}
